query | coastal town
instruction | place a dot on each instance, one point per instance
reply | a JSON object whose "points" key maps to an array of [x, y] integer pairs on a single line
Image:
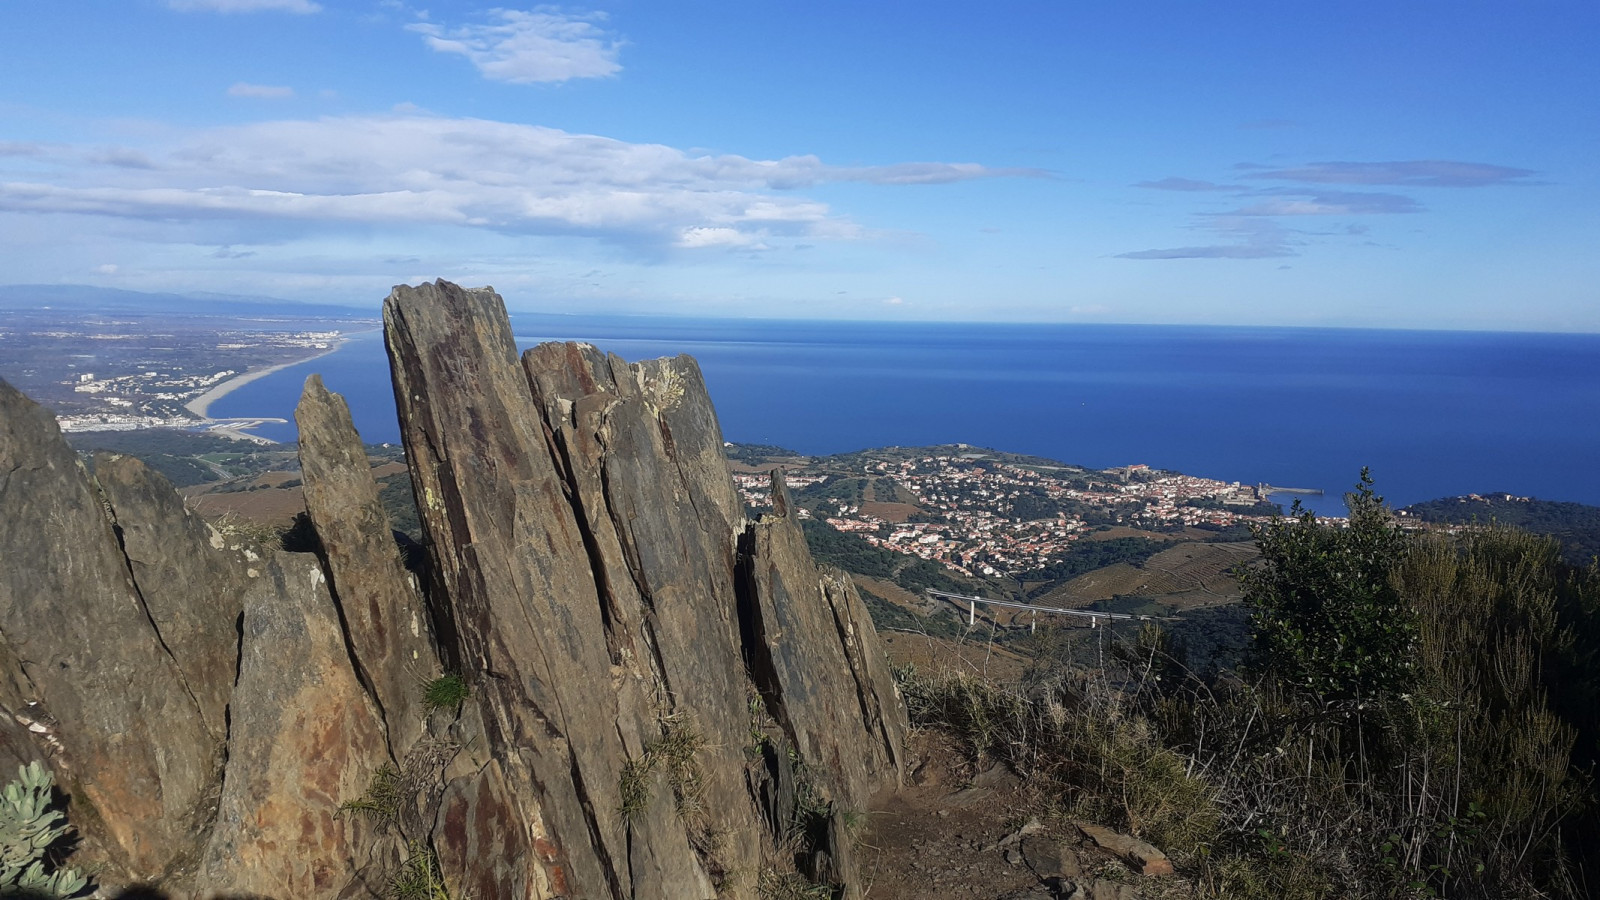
{"points": [[171, 394], [123, 370], [985, 514]]}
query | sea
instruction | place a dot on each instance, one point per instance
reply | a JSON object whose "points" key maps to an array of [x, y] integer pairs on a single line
{"points": [[1431, 413]]}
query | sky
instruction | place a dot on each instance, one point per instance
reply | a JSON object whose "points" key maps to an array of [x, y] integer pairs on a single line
{"points": [[1410, 164]]}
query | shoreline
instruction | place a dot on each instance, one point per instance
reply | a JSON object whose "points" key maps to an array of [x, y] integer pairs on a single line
{"points": [[200, 405]]}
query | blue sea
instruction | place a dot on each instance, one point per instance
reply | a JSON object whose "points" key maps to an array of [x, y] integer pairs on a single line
{"points": [[1433, 414]]}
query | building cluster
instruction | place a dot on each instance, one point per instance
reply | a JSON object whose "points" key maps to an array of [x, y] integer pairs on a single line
{"points": [[982, 516], [155, 394]]}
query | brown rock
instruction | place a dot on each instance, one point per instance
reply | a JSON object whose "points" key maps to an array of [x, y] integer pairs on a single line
{"points": [[803, 631], [191, 579], [583, 525], [513, 561], [1144, 858], [661, 552], [103, 698], [1049, 858], [485, 850], [388, 622], [305, 739]]}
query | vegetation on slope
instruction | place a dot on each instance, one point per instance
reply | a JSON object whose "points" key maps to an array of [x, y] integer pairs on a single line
{"points": [[1416, 721], [1575, 525], [1086, 556]]}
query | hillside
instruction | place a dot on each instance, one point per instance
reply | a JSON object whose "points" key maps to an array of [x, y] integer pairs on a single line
{"points": [[1575, 525]]}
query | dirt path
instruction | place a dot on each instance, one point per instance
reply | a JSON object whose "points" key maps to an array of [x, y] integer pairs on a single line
{"points": [[956, 832]]}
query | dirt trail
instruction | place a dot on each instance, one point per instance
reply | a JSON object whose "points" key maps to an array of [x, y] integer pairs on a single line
{"points": [[954, 831]]}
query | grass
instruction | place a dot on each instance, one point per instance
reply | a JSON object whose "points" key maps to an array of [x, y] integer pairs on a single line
{"points": [[676, 755], [1101, 763], [385, 792], [232, 525], [419, 877], [445, 692]]}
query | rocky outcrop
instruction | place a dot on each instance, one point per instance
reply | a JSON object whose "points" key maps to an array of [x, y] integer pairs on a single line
{"points": [[88, 673], [514, 566], [583, 520], [663, 700], [305, 740], [385, 616], [814, 656], [191, 579]]}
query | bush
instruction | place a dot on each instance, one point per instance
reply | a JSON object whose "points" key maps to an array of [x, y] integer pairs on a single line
{"points": [[1327, 619], [444, 692], [1443, 770]]}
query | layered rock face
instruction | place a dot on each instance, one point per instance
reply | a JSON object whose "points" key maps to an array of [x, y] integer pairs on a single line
{"points": [[663, 700]]}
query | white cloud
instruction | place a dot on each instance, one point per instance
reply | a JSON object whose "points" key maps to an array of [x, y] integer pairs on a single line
{"points": [[895, 301], [543, 45], [106, 269], [398, 169], [242, 6], [708, 236], [260, 91]]}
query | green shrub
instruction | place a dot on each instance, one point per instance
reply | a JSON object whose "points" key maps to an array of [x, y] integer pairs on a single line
{"points": [[386, 791], [1327, 619], [445, 692]]}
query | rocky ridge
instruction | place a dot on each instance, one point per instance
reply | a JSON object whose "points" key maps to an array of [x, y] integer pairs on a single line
{"points": [[662, 699]]}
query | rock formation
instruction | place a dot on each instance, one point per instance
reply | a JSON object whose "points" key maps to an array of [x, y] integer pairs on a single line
{"points": [[386, 618], [88, 673], [662, 699]]}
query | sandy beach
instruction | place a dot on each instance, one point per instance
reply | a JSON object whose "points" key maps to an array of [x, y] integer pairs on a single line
{"points": [[202, 403]]}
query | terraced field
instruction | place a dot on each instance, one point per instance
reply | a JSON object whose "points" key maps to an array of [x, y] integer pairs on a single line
{"points": [[1181, 577]]}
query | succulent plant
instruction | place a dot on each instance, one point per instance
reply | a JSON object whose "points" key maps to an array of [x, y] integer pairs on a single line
{"points": [[30, 824]]}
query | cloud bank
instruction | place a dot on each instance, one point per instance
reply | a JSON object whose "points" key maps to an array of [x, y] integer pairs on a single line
{"points": [[464, 172], [1413, 173]]}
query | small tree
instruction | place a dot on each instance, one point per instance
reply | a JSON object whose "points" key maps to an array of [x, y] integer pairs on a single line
{"points": [[1328, 619]]}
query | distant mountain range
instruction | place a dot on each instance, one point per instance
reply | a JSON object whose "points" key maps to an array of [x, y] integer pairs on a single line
{"points": [[88, 298]]}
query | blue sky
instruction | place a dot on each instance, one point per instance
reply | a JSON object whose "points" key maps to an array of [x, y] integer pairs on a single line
{"points": [[1411, 164]]}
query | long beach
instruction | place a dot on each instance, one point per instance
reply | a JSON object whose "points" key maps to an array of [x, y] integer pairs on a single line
{"points": [[201, 404]]}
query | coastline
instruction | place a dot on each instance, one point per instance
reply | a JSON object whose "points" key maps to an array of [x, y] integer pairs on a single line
{"points": [[201, 404]]}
